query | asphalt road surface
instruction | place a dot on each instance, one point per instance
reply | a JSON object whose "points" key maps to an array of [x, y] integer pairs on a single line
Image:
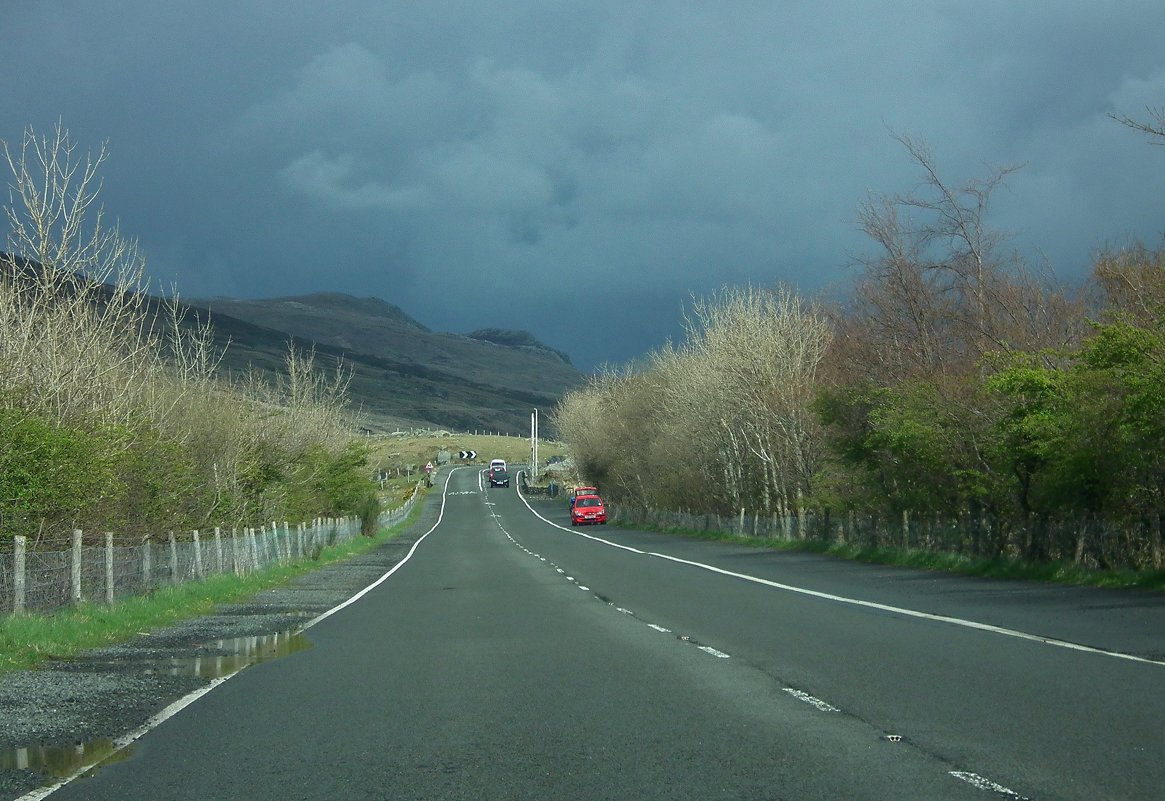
{"points": [[513, 657]]}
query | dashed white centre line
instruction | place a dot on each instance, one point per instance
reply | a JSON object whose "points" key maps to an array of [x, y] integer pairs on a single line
{"points": [[708, 649], [975, 780], [817, 703]]}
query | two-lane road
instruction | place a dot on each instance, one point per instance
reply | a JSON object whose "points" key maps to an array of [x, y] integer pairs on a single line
{"points": [[513, 657]]}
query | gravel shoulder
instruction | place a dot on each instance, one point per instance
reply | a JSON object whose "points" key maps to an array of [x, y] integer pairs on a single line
{"points": [[55, 720]]}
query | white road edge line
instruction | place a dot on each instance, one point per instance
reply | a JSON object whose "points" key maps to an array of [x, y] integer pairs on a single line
{"points": [[173, 709], [955, 621]]}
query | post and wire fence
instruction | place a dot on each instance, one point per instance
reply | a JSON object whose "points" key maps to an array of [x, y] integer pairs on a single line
{"points": [[1132, 544], [105, 568]]}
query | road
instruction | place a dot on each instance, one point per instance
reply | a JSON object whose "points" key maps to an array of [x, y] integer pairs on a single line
{"points": [[512, 657]]}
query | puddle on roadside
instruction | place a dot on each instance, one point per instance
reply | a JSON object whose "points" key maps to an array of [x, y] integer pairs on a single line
{"points": [[60, 762], [236, 654]]}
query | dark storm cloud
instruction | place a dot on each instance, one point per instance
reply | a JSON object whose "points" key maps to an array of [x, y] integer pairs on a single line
{"points": [[480, 164]]}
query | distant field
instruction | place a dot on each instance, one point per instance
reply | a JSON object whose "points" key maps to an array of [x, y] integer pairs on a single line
{"points": [[410, 453]]}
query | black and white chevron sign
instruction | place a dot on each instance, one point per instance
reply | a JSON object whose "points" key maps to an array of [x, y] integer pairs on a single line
{"points": [[467, 454]]}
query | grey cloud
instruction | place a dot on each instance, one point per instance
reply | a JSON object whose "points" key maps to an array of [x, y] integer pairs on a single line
{"points": [[474, 160]]}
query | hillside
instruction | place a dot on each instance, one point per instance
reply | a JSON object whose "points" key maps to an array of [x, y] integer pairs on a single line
{"points": [[404, 375]]}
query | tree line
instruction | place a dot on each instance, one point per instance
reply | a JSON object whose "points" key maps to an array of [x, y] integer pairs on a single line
{"points": [[113, 413], [952, 379]]}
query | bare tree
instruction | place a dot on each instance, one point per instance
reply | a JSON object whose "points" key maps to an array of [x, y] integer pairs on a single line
{"points": [[74, 341], [940, 291], [765, 347]]}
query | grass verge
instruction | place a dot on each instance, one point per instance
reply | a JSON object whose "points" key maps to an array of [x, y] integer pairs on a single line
{"points": [[27, 641], [1000, 568]]}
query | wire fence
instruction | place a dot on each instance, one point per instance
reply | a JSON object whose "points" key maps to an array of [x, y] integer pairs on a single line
{"points": [[1133, 544], [103, 569]]}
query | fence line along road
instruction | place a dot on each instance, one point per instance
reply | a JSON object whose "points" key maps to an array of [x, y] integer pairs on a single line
{"points": [[1135, 544], [45, 581]]}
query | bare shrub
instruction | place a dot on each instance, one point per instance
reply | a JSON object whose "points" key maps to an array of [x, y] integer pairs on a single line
{"points": [[720, 422], [85, 351]]}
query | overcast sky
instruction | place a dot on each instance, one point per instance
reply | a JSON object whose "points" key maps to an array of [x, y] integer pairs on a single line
{"points": [[579, 169]]}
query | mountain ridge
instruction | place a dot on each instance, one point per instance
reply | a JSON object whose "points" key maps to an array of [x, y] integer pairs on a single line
{"points": [[403, 374]]}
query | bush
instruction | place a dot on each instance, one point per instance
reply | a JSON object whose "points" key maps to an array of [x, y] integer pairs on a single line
{"points": [[50, 475]]}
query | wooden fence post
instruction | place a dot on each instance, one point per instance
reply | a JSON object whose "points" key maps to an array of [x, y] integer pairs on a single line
{"points": [[76, 572], [905, 529], [19, 544], [198, 572], [254, 541], [218, 549], [146, 566], [109, 567], [173, 559]]}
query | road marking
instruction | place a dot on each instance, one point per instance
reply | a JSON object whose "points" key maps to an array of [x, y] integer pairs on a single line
{"points": [[659, 628], [177, 706], [817, 703], [954, 621], [975, 780], [708, 649]]}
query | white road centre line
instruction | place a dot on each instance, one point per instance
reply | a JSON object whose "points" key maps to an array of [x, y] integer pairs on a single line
{"points": [[817, 703], [659, 628], [708, 649], [955, 621], [975, 780]]}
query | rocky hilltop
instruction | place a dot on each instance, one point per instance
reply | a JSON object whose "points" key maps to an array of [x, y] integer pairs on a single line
{"points": [[404, 375]]}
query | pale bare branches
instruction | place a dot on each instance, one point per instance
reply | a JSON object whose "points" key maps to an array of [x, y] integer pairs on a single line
{"points": [[1154, 127], [84, 347], [71, 306], [721, 422]]}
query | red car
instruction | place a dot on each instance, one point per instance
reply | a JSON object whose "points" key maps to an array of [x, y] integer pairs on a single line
{"points": [[588, 509], [577, 491]]}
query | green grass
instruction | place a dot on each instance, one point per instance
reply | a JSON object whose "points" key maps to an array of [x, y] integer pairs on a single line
{"points": [[27, 641], [1014, 569]]}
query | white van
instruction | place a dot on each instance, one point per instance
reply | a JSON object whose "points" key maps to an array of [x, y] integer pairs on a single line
{"points": [[496, 463]]}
